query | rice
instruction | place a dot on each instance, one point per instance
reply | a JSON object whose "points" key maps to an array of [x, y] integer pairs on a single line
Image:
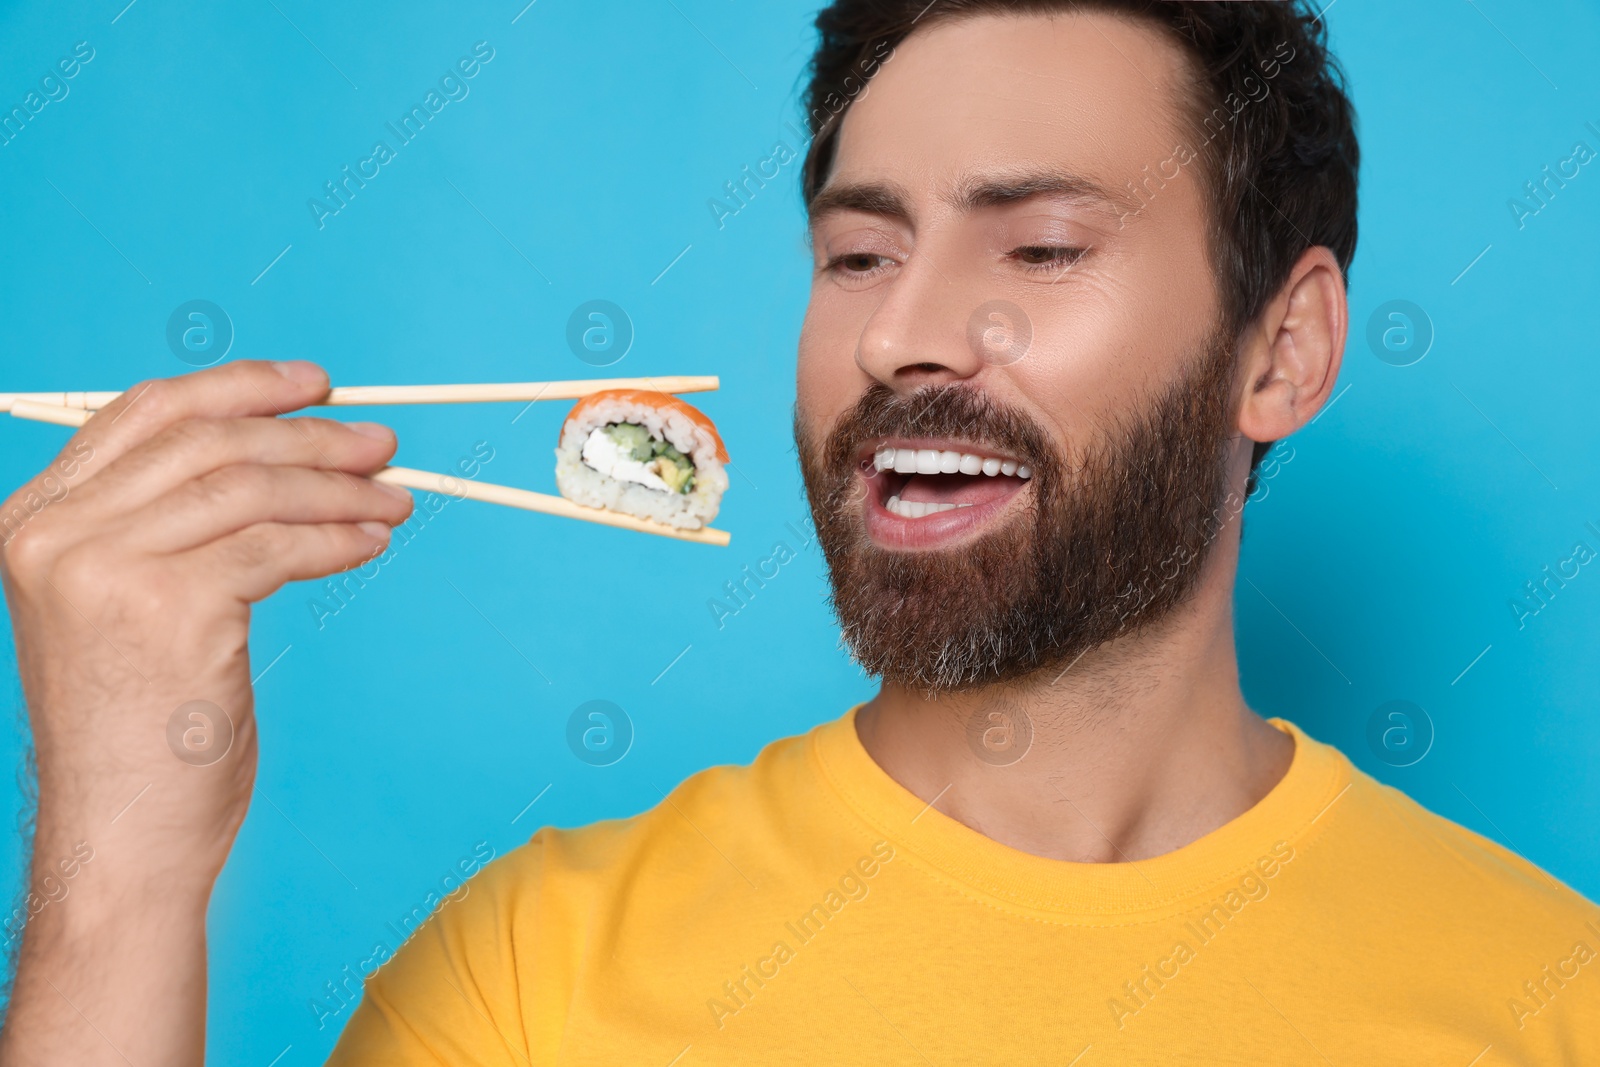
{"points": [[667, 419]]}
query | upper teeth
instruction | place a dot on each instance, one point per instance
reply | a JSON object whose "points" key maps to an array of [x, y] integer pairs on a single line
{"points": [[934, 461]]}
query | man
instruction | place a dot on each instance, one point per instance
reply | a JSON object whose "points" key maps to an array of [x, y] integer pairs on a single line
{"points": [[1077, 266]]}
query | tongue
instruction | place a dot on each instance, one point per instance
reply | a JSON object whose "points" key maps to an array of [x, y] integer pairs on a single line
{"points": [[958, 488]]}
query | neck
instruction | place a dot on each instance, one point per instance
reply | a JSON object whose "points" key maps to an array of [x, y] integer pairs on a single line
{"points": [[1140, 747]]}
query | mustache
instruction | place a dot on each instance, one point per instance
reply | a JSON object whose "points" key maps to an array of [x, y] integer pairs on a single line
{"points": [[956, 410]]}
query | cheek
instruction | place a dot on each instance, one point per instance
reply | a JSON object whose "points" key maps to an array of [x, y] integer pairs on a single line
{"points": [[828, 380], [1088, 365], [1113, 337]]}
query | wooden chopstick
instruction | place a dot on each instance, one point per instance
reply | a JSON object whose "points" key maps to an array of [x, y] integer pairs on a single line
{"points": [[479, 393], [449, 485], [541, 502], [38, 411]]}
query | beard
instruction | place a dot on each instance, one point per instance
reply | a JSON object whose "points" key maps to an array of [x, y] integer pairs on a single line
{"points": [[1111, 542]]}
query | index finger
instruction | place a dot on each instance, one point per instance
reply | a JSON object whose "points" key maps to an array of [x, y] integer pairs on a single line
{"points": [[244, 388]]}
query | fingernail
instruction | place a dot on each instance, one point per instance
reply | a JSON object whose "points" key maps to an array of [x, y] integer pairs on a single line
{"points": [[379, 530], [299, 371], [398, 491], [375, 430]]}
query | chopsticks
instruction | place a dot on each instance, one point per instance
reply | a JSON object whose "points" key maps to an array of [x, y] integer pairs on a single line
{"points": [[488, 392], [23, 407], [541, 502]]}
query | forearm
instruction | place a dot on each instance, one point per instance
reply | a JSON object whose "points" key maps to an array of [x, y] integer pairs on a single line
{"points": [[112, 965], [130, 599]]}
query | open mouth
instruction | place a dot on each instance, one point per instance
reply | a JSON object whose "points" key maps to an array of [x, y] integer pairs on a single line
{"points": [[927, 493]]}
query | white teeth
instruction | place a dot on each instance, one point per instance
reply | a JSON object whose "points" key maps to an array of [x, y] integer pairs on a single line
{"points": [[913, 509], [936, 461]]}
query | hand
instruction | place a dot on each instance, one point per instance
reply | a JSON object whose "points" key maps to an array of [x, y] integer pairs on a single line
{"points": [[167, 515]]}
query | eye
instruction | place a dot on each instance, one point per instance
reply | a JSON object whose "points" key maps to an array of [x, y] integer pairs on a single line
{"points": [[1048, 258], [857, 266]]}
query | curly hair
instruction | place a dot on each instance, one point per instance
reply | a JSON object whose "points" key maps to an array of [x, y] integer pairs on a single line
{"points": [[1279, 169]]}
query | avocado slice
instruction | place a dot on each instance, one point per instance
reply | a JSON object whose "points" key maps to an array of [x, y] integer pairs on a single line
{"points": [[632, 439], [658, 456]]}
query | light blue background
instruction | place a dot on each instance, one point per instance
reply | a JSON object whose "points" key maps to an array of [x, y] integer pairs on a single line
{"points": [[417, 724]]}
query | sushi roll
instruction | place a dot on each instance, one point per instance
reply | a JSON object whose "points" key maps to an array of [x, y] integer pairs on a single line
{"points": [[645, 454]]}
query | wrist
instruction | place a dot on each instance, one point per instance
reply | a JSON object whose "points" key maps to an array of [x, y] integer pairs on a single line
{"points": [[120, 865], [90, 890], [111, 944]]}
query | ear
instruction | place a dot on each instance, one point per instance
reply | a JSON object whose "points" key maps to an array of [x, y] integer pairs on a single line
{"points": [[1293, 352]]}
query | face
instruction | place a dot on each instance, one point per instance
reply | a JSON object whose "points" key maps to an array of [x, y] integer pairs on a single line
{"points": [[1015, 413]]}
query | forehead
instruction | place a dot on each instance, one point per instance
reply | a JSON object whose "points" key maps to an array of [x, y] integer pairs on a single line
{"points": [[1086, 93]]}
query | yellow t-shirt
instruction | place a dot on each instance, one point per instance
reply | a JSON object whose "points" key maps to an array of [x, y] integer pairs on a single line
{"points": [[807, 909]]}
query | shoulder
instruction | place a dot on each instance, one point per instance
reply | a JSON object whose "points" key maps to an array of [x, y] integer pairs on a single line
{"points": [[1388, 841], [1464, 856], [718, 824], [496, 965]]}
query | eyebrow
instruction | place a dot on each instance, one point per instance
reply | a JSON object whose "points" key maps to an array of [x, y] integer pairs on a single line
{"points": [[891, 201], [870, 198]]}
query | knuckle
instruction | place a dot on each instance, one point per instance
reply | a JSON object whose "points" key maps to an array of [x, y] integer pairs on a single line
{"points": [[231, 486], [192, 435], [79, 572], [307, 438], [26, 551], [128, 599], [255, 547], [319, 425], [154, 398], [16, 513], [336, 485]]}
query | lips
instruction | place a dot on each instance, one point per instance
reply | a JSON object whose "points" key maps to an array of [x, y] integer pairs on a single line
{"points": [[926, 493]]}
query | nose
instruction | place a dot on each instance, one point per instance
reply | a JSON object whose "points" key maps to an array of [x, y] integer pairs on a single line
{"points": [[919, 334]]}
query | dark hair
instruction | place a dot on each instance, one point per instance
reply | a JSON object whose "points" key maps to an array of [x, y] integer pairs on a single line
{"points": [[1279, 168]]}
